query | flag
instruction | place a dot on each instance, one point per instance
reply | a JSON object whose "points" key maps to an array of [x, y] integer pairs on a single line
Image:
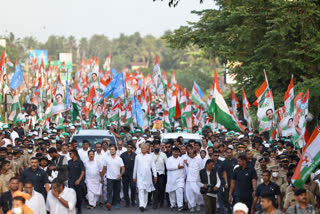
{"points": [[289, 99], [90, 102], [174, 107], [166, 121], [156, 73], [114, 114], [75, 109], [245, 109], [118, 90], [107, 63], [300, 121], [67, 96], [48, 112], [17, 78], [137, 112], [14, 106], [186, 117], [235, 104], [173, 79], [266, 112], [196, 94], [219, 110], [309, 160]]}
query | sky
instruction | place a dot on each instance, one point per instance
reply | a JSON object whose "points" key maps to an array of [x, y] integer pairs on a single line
{"points": [[83, 18]]}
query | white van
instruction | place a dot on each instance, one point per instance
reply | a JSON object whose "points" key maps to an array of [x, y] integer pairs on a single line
{"points": [[186, 137]]}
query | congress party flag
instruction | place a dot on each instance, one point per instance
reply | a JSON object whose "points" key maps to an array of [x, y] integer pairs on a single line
{"points": [[235, 102], [245, 109], [309, 160], [137, 112], [289, 99], [196, 94], [14, 107]]}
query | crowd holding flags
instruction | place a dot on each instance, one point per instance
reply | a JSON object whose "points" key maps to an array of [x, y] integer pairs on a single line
{"points": [[105, 96]]}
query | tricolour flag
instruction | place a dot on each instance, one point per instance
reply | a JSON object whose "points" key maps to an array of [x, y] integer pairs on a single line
{"points": [[246, 109], [186, 118], [114, 114], [196, 94], [14, 107], [289, 99], [219, 109], [309, 160], [17, 78], [235, 102], [166, 121], [174, 107]]}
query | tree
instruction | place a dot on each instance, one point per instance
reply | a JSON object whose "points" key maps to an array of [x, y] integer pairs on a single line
{"points": [[278, 36]]}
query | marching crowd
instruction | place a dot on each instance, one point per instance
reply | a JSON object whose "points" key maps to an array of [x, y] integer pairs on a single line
{"points": [[227, 172]]}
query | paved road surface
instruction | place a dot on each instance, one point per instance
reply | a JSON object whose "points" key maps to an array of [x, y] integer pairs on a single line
{"points": [[134, 210]]}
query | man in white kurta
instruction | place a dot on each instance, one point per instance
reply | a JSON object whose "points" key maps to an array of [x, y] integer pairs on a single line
{"points": [[142, 175], [175, 179], [61, 199], [93, 179], [36, 202], [193, 167]]}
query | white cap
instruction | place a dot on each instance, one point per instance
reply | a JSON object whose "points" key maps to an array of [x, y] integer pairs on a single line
{"points": [[134, 138], [72, 127], [241, 136], [35, 133], [240, 207]]}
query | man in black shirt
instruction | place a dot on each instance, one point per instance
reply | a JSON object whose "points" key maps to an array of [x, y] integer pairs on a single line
{"points": [[244, 183], [6, 197], [227, 170], [128, 158], [267, 187], [38, 176], [76, 173], [59, 163], [19, 129]]}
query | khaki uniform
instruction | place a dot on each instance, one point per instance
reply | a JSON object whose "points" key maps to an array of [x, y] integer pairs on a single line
{"points": [[5, 178], [260, 176], [291, 200], [313, 188], [279, 181], [3, 187]]}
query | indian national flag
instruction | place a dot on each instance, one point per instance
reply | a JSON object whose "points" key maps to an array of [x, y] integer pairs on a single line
{"points": [[245, 109], [114, 114], [129, 118], [166, 121], [174, 107], [186, 120], [14, 107], [48, 112], [289, 99], [235, 102], [309, 160], [219, 109], [196, 94]]}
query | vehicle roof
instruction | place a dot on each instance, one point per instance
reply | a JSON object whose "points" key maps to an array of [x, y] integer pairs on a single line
{"points": [[178, 134], [93, 132]]}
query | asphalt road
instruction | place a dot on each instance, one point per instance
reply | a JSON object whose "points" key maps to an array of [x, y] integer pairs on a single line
{"points": [[133, 210]]}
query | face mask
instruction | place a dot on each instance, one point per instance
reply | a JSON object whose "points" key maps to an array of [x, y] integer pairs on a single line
{"points": [[29, 150], [17, 210], [53, 141], [157, 150], [275, 174]]}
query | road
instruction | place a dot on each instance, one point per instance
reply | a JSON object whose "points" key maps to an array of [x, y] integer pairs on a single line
{"points": [[133, 210]]}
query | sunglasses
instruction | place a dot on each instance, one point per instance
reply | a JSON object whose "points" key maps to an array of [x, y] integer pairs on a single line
{"points": [[168, 146]]}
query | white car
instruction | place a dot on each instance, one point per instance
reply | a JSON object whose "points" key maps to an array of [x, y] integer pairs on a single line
{"points": [[93, 136], [186, 137]]}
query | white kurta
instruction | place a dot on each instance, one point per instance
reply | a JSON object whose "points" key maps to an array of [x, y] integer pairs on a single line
{"points": [[176, 176], [142, 171], [54, 206], [36, 203], [93, 169], [83, 155]]}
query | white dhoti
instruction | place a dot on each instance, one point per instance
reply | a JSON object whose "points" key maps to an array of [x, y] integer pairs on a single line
{"points": [[143, 198], [176, 197], [193, 194], [94, 186]]}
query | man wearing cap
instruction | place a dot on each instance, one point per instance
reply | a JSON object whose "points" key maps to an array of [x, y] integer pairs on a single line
{"points": [[302, 207], [240, 208]]}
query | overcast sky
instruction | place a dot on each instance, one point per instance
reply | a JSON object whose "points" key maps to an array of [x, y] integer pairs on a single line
{"points": [[83, 18]]}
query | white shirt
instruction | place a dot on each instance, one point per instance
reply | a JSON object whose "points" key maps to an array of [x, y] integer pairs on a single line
{"points": [[160, 161], [176, 176], [101, 157], [113, 165], [36, 203], [54, 206], [193, 169], [83, 154], [119, 152]]}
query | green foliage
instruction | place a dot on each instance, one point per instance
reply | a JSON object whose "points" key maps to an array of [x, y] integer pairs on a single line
{"points": [[278, 36]]}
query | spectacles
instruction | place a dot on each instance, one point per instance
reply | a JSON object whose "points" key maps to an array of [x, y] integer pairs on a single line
{"points": [[168, 146]]}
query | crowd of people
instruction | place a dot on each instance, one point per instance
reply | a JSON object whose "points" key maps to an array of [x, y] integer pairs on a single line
{"points": [[227, 172]]}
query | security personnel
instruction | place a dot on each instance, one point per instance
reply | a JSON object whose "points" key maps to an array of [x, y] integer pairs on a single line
{"points": [[291, 199], [38, 176], [267, 187]]}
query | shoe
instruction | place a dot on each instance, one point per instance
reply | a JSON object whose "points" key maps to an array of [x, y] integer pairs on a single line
{"points": [[88, 207], [180, 209], [117, 206], [108, 206], [172, 208], [161, 205], [141, 209], [198, 208], [192, 210]]}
